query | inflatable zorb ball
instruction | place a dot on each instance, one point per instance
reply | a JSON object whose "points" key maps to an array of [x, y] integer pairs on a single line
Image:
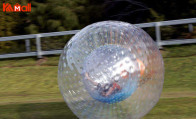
{"points": [[111, 70]]}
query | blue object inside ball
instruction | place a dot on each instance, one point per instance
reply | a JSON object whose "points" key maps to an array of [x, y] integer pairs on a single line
{"points": [[110, 74]]}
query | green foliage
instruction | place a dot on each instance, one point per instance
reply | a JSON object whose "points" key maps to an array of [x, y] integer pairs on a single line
{"points": [[56, 42], [155, 16], [6, 46], [52, 16], [10, 24], [62, 15]]}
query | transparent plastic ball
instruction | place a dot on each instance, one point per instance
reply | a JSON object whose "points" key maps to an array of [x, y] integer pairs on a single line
{"points": [[111, 70]]}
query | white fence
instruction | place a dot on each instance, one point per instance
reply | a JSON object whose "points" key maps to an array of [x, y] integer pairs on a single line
{"points": [[39, 53]]}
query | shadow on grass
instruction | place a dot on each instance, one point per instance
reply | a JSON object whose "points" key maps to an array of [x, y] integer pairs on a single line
{"points": [[171, 108], [56, 110]]}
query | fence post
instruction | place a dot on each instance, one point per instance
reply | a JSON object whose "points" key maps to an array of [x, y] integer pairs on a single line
{"points": [[158, 34], [27, 45], [38, 46], [190, 28]]}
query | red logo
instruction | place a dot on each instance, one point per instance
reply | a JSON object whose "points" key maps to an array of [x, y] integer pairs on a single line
{"points": [[16, 8]]}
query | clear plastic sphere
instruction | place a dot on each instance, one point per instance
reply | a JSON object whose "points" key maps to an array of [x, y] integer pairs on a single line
{"points": [[111, 70]]}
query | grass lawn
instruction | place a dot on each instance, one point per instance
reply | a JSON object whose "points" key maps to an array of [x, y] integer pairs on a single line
{"points": [[173, 108], [29, 89]]}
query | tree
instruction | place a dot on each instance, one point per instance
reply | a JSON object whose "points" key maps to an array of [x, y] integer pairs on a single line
{"points": [[50, 16], [10, 24], [126, 10]]}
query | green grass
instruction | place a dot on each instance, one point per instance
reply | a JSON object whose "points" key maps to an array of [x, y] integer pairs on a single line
{"points": [[180, 74], [174, 108], [179, 51], [29, 89], [32, 61], [30, 82], [52, 110]]}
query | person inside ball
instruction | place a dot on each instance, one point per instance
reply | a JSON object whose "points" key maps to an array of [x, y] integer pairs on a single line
{"points": [[144, 77], [107, 89], [142, 68]]}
